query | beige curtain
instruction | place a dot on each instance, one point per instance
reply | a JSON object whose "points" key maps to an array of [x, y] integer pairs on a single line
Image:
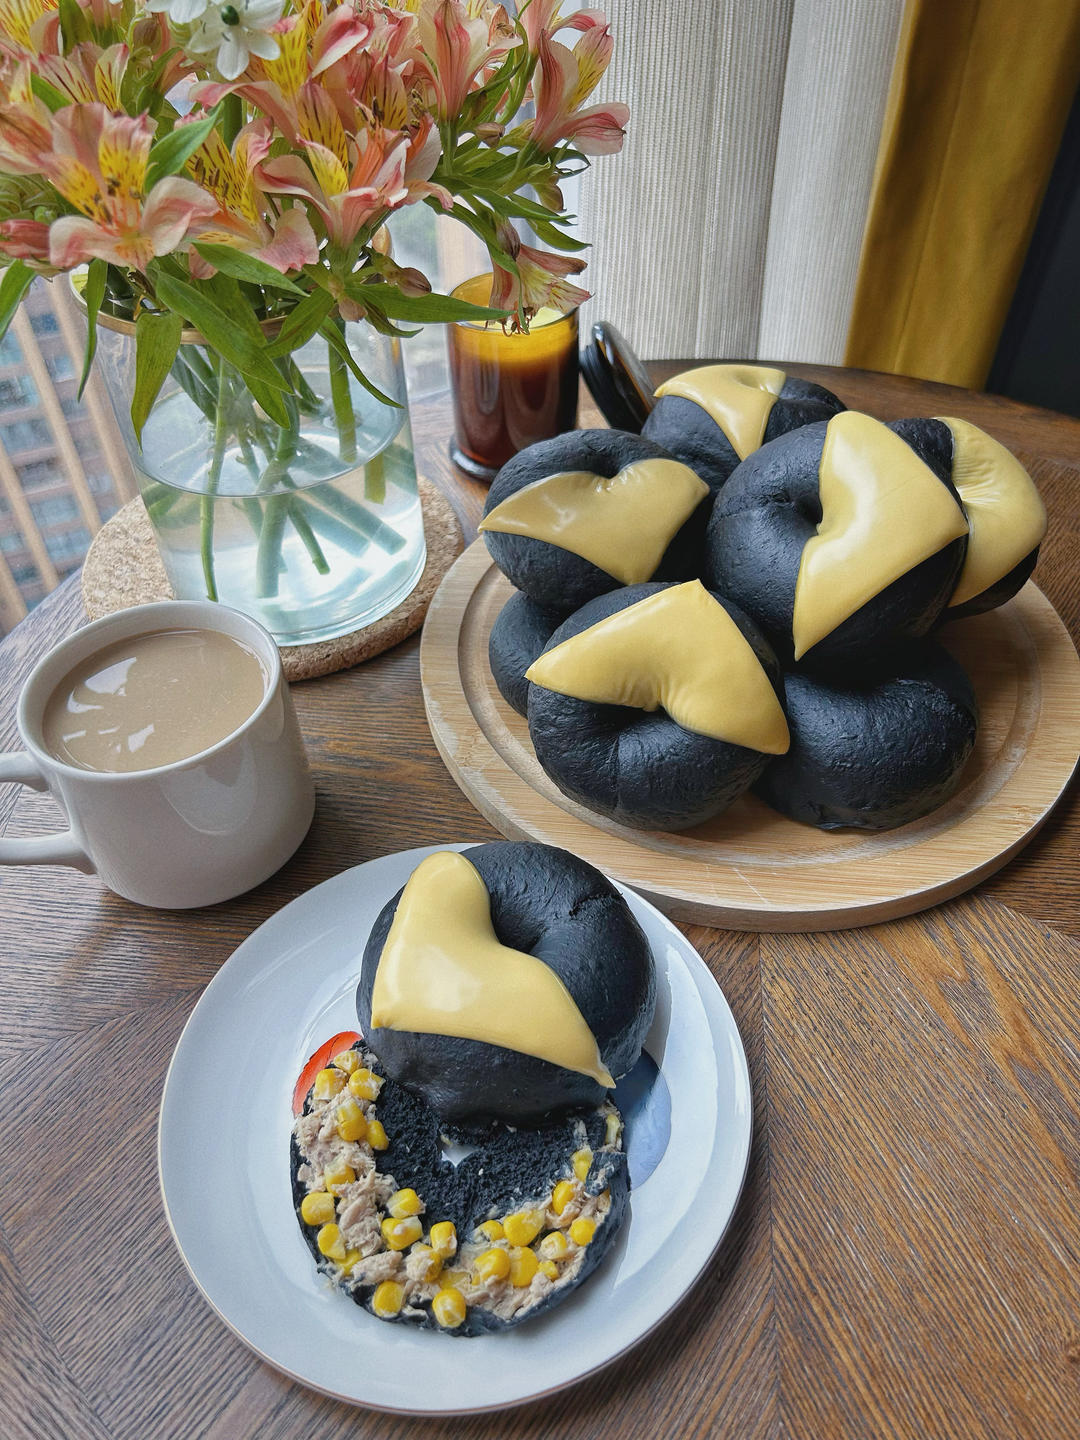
{"points": [[731, 223]]}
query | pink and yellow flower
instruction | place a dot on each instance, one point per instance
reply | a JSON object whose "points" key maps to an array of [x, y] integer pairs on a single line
{"points": [[565, 78], [541, 278], [458, 47], [98, 164]]}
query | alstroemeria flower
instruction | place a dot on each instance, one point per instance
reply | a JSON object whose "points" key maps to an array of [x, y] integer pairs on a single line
{"points": [[539, 15], [541, 279], [236, 31], [564, 78], [19, 21], [347, 197], [457, 49], [244, 219], [88, 74], [25, 240], [99, 164]]}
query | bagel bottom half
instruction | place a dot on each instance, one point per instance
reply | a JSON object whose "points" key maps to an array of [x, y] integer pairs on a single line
{"points": [[396, 1225], [877, 750]]}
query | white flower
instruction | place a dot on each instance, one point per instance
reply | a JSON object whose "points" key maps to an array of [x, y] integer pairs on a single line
{"points": [[236, 31], [180, 12]]}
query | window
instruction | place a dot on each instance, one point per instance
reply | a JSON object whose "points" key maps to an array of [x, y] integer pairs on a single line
{"points": [[12, 541], [25, 575], [43, 322], [17, 390], [37, 473], [69, 544], [59, 365], [56, 510], [10, 354], [25, 435]]}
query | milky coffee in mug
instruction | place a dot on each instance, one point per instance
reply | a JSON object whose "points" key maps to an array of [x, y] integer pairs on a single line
{"points": [[168, 736]]}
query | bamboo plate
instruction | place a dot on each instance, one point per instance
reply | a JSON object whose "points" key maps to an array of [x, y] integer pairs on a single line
{"points": [[752, 869]]}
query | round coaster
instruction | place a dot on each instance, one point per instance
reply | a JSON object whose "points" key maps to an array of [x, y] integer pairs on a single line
{"points": [[123, 568]]}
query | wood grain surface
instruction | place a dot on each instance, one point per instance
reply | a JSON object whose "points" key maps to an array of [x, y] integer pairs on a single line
{"points": [[905, 1261]]}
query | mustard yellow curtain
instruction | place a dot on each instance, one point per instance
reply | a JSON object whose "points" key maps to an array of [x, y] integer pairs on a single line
{"points": [[979, 96]]}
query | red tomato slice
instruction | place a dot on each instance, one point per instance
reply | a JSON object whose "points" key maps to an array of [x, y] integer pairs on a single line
{"points": [[319, 1061]]}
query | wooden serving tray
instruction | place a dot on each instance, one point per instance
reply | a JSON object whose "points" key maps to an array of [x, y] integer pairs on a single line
{"points": [[750, 868]]}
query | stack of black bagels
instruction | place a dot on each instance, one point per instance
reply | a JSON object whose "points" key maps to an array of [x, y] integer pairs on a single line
{"points": [[881, 718]]}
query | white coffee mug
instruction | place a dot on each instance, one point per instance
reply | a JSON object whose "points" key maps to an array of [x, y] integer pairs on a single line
{"points": [[193, 832]]}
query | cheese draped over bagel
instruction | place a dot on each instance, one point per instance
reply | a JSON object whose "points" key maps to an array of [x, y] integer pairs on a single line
{"points": [[621, 523], [883, 511], [678, 650], [1004, 510], [739, 398], [443, 971]]}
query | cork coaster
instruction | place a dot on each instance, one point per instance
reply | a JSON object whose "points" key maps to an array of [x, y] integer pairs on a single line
{"points": [[123, 568]]}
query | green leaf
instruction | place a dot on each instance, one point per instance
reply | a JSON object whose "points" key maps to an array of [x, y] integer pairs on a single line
{"points": [[172, 151], [93, 294], [231, 261], [18, 278], [423, 309], [74, 26], [48, 94], [301, 323], [157, 339], [337, 343], [223, 328]]}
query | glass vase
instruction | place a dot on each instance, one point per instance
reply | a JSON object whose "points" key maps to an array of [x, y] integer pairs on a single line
{"points": [[313, 528]]}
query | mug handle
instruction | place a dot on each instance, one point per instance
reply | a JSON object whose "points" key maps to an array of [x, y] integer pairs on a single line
{"points": [[18, 768]]}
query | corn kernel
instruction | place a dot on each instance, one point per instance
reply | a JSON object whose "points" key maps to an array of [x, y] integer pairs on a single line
{"points": [[350, 1261], [491, 1230], [404, 1202], [553, 1246], [350, 1122], [550, 1269], [612, 1129], [317, 1208], [433, 1267], [523, 1227], [444, 1239], [365, 1084], [376, 1135], [328, 1083], [562, 1195], [448, 1307], [388, 1298], [523, 1266], [400, 1234], [453, 1279], [582, 1230], [492, 1265], [581, 1160], [337, 1177], [348, 1060], [330, 1243]]}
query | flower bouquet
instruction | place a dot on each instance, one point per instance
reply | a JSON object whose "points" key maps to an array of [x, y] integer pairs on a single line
{"points": [[218, 176]]}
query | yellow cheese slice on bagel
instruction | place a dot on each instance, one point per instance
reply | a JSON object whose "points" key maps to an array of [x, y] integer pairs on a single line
{"points": [[884, 511], [621, 523], [739, 398], [678, 650], [1004, 510], [443, 971]]}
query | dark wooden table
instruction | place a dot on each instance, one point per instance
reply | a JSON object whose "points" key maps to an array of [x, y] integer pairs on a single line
{"points": [[905, 1260]]}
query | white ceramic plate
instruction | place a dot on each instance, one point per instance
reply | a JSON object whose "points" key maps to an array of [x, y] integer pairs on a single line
{"points": [[223, 1155]]}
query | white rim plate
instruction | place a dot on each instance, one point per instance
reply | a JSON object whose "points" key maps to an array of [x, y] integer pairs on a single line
{"points": [[223, 1158]]}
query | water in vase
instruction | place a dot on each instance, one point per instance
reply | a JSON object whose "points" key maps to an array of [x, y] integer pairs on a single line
{"points": [[315, 541]]}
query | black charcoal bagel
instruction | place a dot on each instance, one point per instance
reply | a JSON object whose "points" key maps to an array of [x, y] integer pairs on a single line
{"points": [[691, 434], [771, 508], [640, 767], [520, 632], [556, 578], [549, 904], [511, 1176], [875, 750]]}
